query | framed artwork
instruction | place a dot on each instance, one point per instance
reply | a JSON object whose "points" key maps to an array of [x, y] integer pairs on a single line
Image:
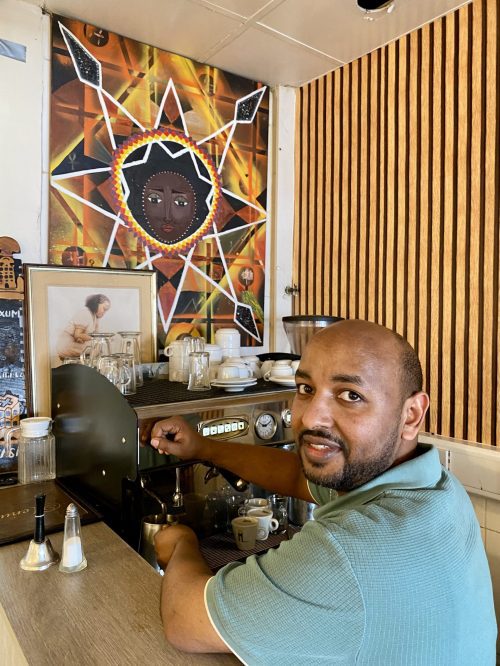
{"points": [[159, 162], [64, 305]]}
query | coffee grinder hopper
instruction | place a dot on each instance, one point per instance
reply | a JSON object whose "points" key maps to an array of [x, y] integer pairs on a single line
{"points": [[300, 328]]}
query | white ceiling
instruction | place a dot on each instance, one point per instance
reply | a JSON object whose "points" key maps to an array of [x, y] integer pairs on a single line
{"points": [[285, 42]]}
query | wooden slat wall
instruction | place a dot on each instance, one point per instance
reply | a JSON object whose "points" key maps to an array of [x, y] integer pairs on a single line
{"points": [[397, 206]]}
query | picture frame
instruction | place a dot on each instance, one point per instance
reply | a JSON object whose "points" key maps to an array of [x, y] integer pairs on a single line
{"points": [[62, 306]]}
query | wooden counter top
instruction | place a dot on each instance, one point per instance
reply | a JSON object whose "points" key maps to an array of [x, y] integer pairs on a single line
{"points": [[106, 614]]}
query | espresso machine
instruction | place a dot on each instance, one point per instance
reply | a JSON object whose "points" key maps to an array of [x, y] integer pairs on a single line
{"points": [[102, 455]]}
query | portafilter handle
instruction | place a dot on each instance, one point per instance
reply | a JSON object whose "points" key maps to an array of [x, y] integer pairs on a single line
{"points": [[234, 480]]}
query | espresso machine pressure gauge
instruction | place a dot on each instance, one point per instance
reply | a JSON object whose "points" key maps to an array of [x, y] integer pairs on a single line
{"points": [[286, 417], [265, 426]]}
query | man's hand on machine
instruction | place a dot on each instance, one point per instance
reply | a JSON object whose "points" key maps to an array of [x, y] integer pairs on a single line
{"points": [[175, 436]]}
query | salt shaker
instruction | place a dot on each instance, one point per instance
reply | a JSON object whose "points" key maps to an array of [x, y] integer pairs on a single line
{"points": [[72, 558]]}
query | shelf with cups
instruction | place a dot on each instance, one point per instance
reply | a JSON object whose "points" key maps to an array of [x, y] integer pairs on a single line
{"points": [[159, 397], [157, 391], [232, 379], [228, 381]]}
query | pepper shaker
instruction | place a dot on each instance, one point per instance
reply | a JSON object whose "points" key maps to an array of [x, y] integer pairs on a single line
{"points": [[72, 558], [40, 555]]}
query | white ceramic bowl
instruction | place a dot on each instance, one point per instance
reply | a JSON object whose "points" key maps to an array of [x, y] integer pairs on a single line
{"points": [[228, 338]]}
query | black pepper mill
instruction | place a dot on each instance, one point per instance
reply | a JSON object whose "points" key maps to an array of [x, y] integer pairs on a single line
{"points": [[40, 553]]}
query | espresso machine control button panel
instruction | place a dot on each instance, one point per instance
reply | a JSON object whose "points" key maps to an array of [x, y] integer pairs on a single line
{"points": [[224, 428]]}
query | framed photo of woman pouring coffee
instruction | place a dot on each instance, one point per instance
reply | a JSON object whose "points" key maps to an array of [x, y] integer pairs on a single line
{"points": [[66, 306]]}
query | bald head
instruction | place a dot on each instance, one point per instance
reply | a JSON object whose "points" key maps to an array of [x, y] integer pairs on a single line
{"points": [[387, 346], [358, 407]]}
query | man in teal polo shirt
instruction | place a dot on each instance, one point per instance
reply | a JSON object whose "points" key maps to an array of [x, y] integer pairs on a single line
{"points": [[391, 571]]}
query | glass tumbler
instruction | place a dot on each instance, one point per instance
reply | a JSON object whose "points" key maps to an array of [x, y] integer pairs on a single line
{"points": [[279, 506], [217, 512], [131, 344], [199, 375], [125, 373], [100, 346], [195, 344], [108, 366]]}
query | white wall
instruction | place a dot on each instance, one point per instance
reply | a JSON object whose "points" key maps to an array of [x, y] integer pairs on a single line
{"points": [[280, 231], [478, 468], [22, 89]]}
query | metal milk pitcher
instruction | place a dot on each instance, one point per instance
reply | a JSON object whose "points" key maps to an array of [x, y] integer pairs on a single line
{"points": [[36, 449], [150, 525]]}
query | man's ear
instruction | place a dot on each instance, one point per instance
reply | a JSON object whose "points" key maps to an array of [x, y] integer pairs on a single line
{"points": [[413, 414]]}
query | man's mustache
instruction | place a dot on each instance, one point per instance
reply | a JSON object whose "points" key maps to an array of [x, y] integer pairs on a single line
{"points": [[323, 434]]}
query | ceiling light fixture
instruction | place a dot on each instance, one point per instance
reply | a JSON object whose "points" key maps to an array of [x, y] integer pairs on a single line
{"points": [[374, 9]]}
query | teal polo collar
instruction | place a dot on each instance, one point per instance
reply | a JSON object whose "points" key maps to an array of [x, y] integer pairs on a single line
{"points": [[423, 471]]}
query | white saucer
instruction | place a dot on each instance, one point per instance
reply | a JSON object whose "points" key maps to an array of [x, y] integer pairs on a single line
{"points": [[233, 388], [284, 381], [235, 380]]}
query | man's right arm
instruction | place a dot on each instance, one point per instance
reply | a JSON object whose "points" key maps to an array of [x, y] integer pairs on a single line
{"points": [[268, 467]]}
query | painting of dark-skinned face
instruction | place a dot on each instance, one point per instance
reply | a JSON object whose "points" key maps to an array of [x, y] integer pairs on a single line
{"points": [[169, 206], [159, 162], [167, 188]]}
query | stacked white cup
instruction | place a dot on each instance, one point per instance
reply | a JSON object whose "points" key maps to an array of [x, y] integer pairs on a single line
{"points": [[281, 368], [177, 352], [215, 359], [253, 363], [230, 341]]}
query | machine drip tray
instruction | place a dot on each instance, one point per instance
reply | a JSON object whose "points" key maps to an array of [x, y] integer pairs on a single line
{"points": [[220, 549], [17, 515]]}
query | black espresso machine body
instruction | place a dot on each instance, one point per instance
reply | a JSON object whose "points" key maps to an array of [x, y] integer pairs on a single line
{"points": [[99, 457]]}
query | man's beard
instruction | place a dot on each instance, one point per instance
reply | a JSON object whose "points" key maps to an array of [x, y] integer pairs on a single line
{"points": [[353, 474]]}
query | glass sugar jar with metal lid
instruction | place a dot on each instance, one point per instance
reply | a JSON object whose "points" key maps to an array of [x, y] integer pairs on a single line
{"points": [[36, 449]]}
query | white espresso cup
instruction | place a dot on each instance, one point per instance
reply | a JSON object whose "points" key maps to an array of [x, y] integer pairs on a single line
{"points": [[233, 360], [243, 370], [254, 503], [228, 372], [266, 522], [254, 365], [233, 371], [295, 365], [266, 366], [245, 532], [279, 371]]}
